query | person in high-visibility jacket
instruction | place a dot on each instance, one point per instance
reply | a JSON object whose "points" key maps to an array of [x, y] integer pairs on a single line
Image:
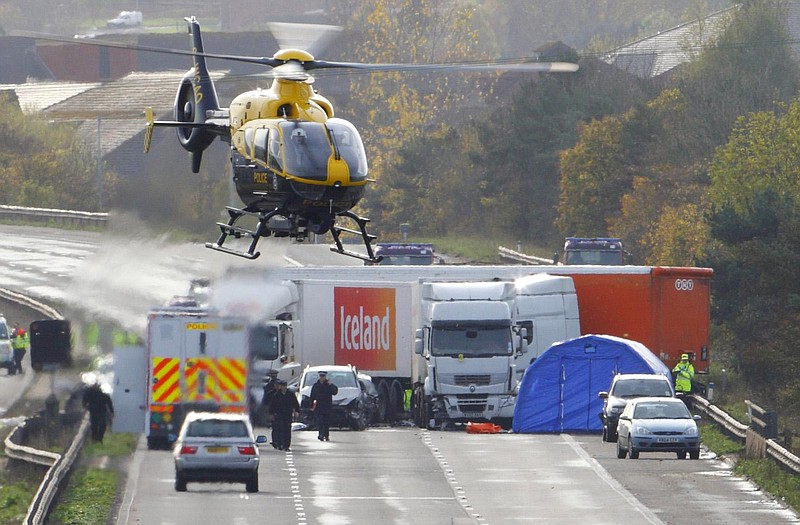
{"points": [[20, 345], [684, 373], [125, 338]]}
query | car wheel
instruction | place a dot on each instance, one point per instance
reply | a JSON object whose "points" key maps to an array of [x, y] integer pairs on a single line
{"points": [[180, 482], [621, 452], [632, 452], [251, 485], [694, 454], [358, 421], [681, 454]]}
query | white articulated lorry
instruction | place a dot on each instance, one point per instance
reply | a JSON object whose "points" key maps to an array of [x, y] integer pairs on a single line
{"points": [[353, 316], [470, 344]]}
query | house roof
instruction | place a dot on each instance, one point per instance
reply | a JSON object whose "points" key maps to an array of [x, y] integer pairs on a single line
{"points": [[658, 54], [118, 106], [125, 98], [38, 96]]}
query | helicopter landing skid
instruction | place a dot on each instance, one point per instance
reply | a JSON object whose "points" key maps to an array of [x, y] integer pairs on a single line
{"points": [[237, 232], [336, 231]]}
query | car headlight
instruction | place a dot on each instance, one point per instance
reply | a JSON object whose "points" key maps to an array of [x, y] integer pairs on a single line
{"points": [[643, 431], [615, 410], [690, 431]]}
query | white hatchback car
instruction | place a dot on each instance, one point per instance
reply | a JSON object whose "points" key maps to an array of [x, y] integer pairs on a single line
{"points": [[217, 447]]}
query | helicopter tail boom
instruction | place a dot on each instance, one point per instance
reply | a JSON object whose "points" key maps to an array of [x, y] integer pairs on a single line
{"points": [[195, 100]]}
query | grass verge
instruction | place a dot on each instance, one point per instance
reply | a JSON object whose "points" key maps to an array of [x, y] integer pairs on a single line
{"points": [[765, 473], [771, 477], [92, 490]]}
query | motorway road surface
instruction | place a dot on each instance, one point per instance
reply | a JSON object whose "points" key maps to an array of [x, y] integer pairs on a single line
{"points": [[383, 475], [405, 475]]}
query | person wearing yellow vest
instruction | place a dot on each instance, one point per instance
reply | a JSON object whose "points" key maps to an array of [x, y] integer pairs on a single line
{"points": [[684, 373], [20, 345]]}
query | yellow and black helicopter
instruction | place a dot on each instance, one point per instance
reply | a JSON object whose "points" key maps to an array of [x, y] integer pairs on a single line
{"points": [[296, 167]]}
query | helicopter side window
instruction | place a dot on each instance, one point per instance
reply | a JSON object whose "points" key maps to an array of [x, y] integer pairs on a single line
{"points": [[274, 161], [262, 135], [248, 140]]}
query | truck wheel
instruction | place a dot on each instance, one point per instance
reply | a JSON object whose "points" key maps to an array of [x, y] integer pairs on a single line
{"points": [[395, 408], [420, 408], [383, 402]]}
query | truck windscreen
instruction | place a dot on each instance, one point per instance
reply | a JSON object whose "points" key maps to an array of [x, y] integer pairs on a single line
{"points": [[601, 257], [472, 341], [264, 342]]}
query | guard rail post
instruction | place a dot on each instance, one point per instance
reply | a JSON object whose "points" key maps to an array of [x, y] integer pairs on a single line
{"points": [[762, 420]]}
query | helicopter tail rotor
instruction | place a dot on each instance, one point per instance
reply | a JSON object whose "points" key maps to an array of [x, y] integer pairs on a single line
{"points": [[196, 97]]}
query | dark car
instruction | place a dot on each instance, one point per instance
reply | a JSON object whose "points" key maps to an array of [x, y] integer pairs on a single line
{"points": [[658, 424], [371, 398], [625, 387]]}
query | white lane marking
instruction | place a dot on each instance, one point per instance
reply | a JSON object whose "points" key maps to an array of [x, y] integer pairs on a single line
{"points": [[294, 482], [131, 485], [611, 482], [449, 473]]}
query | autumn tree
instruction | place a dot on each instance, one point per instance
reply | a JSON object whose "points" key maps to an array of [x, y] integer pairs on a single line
{"points": [[397, 107], [46, 165], [755, 224]]}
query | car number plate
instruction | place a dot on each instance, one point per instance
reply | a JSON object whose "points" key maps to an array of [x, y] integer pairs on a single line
{"points": [[217, 450], [473, 414], [667, 440]]}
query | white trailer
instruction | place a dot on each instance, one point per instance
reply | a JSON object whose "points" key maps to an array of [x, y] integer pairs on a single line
{"points": [[369, 325]]}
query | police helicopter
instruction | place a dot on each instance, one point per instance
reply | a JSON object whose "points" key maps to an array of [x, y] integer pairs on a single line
{"points": [[296, 167]]}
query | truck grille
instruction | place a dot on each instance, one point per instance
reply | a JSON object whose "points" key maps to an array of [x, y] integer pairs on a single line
{"points": [[472, 379], [472, 403]]}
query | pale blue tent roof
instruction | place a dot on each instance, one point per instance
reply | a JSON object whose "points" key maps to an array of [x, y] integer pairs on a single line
{"points": [[558, 392]]}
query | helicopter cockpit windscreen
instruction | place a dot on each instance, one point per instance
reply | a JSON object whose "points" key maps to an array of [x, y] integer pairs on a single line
{"points": [[348, 142], [306, 149]]}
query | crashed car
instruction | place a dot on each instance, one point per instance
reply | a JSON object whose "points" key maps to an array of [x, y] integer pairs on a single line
{"points": [[351, 405]]}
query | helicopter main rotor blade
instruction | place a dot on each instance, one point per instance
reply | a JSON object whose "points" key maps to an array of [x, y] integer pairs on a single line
{"points": [[294, 67], [264, 61], [544, 67]]}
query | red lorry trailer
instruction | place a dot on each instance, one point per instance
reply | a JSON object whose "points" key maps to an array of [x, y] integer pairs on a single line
{"points": [[668, 309]]}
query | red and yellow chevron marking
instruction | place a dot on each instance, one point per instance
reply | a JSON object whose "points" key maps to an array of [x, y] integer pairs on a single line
{"points": [[165, 387], [220, 380]]}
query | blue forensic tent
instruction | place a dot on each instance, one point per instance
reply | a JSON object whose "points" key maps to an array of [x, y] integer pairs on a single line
{"points": [[558, 392]]}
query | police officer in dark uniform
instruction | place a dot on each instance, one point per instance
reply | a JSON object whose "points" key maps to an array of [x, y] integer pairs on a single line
{"points": [[270, 390], [283, 406], [100, 408], [322, 403]]}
